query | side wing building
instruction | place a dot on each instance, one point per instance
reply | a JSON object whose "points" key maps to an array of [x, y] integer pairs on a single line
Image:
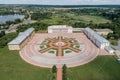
{"points": [[22, 39], [98, 40]]}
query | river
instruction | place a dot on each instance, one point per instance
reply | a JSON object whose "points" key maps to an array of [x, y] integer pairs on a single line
{"points": [[5, 18]]}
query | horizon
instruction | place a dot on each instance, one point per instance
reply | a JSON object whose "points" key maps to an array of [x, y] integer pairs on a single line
{"points": [[68, 5], [61, 2]]}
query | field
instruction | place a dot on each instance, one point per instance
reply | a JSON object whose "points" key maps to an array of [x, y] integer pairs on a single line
{"points": [[95, 19], [12, 67], [69, 18], [102, 68]]}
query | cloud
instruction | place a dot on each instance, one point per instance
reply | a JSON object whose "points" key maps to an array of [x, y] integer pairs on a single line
{"points": [[60, 2]]}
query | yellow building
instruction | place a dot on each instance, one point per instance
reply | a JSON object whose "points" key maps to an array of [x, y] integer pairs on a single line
{"points": [[22, 39]]}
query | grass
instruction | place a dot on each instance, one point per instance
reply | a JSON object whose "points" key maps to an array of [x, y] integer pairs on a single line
{"points": [[68, 51], [69, 19], [102, 68], [12, 67], [88, 18], [114, 42], [42, 31], [51, 52]]}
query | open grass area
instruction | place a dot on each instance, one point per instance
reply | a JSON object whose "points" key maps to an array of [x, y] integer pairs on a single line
{"points": [[102, 68], [88, 18], [69, 18], [12, 67]]}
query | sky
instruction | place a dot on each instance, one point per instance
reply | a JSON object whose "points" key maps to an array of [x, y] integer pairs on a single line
{"points": [[61, 2]]}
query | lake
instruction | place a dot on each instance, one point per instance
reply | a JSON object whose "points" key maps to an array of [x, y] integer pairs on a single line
{"points": [[5, 18]]}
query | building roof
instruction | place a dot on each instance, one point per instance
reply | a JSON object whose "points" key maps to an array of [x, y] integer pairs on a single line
{"points": [[96, 36], [21, 37], [104, 30], [59, 26], [108, 48]]}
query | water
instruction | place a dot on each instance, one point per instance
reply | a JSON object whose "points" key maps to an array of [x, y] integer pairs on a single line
{"points": [[5, 18]]}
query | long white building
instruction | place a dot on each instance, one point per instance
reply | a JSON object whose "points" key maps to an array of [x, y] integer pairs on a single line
{"points": [[60, 29], [22, 39], [96, 39]]}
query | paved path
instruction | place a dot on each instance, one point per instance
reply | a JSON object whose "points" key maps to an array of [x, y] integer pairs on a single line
{"points": [[33, 56], [60, 47], [59, 70], [59, 73]]}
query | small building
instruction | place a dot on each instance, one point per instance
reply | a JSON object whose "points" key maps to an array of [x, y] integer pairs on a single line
{"points": [[60, 29], [22, 39], [103, 31]]}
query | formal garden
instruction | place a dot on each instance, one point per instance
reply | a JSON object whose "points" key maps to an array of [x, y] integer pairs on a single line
{"points": [[52, 45]]}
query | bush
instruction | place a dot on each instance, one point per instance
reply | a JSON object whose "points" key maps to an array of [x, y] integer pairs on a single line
{"points": [[54, 69], [114, 42], [64, 75]]}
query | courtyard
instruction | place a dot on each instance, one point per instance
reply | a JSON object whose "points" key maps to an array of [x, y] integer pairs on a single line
{"points": [[57, 50]]}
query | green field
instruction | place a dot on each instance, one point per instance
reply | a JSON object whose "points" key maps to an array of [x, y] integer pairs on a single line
{"points": [[12, 67], [102, 68], [69, 18], [95, 19]]}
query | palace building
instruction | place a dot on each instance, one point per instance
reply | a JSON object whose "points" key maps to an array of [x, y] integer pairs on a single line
{"points": [[22, 39], [60, 29]]}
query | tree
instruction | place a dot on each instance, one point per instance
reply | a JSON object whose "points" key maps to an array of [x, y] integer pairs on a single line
{"points": [[18, 20], [54, 69], [2, 33], [64, 68], [110, 35], [64, 76], [79, 25]]}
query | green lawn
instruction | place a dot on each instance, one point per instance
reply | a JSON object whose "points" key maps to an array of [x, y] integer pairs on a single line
{"points": [[102, 68], [12, 67]]}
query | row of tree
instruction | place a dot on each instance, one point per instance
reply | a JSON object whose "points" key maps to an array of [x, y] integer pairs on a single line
{"points": [[38, 26], [2, 33], [64, 72], [4, 40], [41, 15]]}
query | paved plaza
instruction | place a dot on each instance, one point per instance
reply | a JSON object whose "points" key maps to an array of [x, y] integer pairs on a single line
{"points": [[31, 54]]}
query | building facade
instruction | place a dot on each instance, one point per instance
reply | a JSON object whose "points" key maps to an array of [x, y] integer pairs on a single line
{"points": [[60, 29], [98, 40], [22, 39]]}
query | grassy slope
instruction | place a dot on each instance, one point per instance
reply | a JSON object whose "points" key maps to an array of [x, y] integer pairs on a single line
{"points": [[12, 67], [102, 68]]}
